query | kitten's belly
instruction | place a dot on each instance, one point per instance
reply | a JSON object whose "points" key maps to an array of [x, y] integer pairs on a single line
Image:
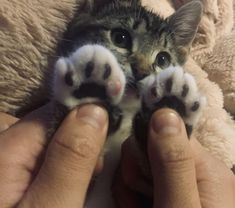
{"points": [[101, 194]]}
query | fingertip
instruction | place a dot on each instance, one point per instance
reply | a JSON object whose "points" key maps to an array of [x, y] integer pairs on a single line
{"points": [[166, 122], [93, 115], [167, 136], [73, 156], [171, 158]]}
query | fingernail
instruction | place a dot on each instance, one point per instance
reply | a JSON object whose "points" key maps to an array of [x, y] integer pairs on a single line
{"points": [[93, 115], [166, 123]]}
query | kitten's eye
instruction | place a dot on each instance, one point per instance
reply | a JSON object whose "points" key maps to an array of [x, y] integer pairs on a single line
{"points": [[121, 38], [163, 59]]}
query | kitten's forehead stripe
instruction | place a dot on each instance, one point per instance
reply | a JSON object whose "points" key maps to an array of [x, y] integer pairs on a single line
{"points": [[141, 27], [162, 31], [150, 33], [136, 24], [147, 21], [165, 41]]}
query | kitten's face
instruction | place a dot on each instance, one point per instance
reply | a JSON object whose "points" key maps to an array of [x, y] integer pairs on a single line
{"points": [[142, 42]]}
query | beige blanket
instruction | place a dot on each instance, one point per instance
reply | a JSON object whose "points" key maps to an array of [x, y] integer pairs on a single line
{"points": [[31, 29]]}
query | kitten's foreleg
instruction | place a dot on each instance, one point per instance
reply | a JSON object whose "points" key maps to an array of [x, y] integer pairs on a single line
{"points": [[91, 74], [172, 88]]}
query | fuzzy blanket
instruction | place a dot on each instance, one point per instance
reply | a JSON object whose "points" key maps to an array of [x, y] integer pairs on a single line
{"points": [[31, 29]]}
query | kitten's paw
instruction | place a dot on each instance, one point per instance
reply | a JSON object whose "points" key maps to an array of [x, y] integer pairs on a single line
{"points": [[175, 89], [90, 74]]}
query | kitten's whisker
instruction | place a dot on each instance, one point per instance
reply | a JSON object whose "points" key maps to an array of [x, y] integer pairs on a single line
{"points": [[153, 46], [170, 34]]}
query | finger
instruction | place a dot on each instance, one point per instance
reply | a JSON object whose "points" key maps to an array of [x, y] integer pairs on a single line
{"points": [[172, 162], [6, 121], [20, 147], [70, 160], [216, 183]]}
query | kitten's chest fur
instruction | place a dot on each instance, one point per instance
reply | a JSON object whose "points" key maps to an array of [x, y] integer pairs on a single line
{"points": [[128, 108]]}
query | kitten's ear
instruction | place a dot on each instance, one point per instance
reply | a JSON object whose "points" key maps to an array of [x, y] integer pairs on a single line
{"points": [[184, 23], [178, 3]]}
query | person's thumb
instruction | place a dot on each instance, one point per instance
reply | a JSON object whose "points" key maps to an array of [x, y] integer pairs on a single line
{"points": [[172, 163], [70, 160]]}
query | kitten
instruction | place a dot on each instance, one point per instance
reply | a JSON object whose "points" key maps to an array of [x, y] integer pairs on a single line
{"points": [[130, 60]]}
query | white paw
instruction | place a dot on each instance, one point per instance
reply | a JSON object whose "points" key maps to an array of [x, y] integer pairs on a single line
{"points": [[174, 85], [90, 74]]}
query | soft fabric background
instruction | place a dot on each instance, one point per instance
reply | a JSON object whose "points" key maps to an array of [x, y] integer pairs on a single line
{"points": [[31, 29], [29, 33]]}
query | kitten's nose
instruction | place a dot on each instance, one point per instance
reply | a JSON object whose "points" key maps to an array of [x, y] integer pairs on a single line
{"points": [[137, 72], [139, 65]]}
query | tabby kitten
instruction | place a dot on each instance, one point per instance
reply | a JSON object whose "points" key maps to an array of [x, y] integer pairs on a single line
{"points": [[130, 60]]}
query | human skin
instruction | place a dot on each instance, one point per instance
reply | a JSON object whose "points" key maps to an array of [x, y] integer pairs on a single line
{"points": [[59, 178], [184, 173]]}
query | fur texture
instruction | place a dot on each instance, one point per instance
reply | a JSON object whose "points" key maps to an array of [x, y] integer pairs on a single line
{"points": [[131, 65], [26, 56], [96, 30]]}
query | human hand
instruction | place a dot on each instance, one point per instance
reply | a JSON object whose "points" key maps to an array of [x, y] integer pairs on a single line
{"points": [[59, 178], [6, 121], [184, 174]]}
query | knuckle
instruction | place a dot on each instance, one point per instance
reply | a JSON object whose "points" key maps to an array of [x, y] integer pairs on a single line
{"points": [[79, 146], [177, 156]]}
